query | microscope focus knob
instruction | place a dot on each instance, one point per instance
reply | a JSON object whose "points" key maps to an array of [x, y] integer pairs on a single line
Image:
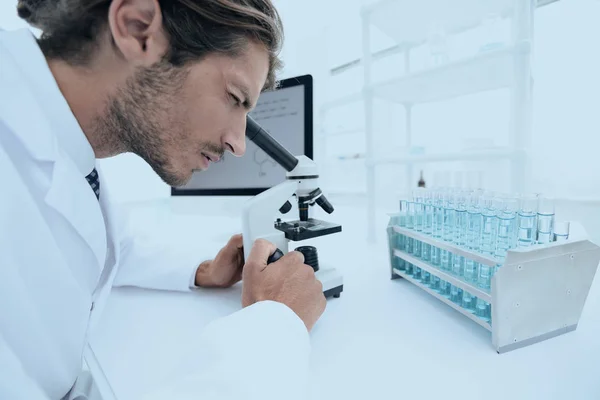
{"points": [[310, 256], [275, 256]]}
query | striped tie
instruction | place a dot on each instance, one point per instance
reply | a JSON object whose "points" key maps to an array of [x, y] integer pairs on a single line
{"points": [[94, 182]]}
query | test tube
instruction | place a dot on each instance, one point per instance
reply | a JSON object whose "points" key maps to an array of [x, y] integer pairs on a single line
{"points": [[456, 294], [545, 219], [460, 230], [448, 229], [410, 218], [483, 310], [437, 226], [427, 224], [474, 221], [418, 196], [409, 268], [434, 282], [527, 220], [444, 288], [507, 227], [489, 233], [415, 245], [561, 231], [401, 239], [468, 301]]}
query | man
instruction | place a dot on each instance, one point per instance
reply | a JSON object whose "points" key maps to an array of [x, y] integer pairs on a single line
{"points": [[171, 81]]}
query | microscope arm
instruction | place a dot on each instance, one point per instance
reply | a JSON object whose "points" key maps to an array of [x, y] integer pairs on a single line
{"points": [[259, 214], [261, 211]]}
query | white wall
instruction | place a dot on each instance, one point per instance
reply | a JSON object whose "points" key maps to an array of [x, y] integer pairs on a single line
{"points": [[323, 34]]}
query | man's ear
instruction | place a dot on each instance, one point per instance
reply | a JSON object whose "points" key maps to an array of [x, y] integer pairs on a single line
{"points": [[137, 30]]}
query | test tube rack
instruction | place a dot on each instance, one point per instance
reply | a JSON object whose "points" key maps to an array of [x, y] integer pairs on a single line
{"points": [[538, 293]]}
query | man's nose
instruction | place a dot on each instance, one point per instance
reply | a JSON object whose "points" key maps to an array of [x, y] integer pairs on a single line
{"points": [[235, 140]]}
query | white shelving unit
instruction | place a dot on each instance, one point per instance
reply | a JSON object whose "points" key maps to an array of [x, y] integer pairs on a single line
{"points": [[475, 155], [486, 71], [509, 67]]}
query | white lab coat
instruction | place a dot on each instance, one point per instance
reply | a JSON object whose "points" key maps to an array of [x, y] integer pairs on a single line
{"points": [[61, 251]]}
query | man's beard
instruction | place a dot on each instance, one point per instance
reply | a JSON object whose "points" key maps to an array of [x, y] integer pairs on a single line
{"points": [[139, 118]]}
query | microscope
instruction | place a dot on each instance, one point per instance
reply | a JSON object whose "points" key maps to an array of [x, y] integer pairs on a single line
{"points": [[260, 214]]}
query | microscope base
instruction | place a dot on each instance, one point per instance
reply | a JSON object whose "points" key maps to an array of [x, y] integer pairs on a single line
{"points": [[333, 283]]}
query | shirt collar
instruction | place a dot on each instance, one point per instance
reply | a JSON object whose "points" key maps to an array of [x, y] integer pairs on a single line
{"points": [[42, 84]]}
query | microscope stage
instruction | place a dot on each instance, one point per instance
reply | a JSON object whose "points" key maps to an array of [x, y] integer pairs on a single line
{"points": [[302, 230]]}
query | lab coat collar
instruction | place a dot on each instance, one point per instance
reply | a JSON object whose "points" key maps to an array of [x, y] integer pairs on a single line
{"points": [[46, 132], [23, 48]]}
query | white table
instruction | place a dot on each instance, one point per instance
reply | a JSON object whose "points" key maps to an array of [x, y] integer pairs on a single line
{"points": [[382, 339]]}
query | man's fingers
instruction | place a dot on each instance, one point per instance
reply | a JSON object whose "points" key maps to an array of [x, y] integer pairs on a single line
{"points": [[260, 252], [237, 241], [294, 257]]}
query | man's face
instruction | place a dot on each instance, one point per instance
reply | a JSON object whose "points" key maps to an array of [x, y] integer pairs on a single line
{"points": [[179, 120]]}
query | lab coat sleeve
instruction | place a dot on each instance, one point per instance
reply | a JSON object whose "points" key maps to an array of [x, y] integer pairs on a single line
{"points": [[261, 352], [15, 384], [154, 259], [154, 265]]}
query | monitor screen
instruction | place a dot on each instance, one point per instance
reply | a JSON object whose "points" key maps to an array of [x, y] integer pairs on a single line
{"points": [[286, 114]]}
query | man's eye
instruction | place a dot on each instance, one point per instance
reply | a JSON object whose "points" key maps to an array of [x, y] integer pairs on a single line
{"points": [[235, 99]]}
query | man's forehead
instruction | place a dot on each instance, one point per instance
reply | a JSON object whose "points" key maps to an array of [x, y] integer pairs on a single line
{"points": [[250, 79], [255, 67]]}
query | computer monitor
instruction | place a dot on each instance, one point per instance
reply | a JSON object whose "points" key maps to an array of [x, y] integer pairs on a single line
{"points": [[286, 113]]}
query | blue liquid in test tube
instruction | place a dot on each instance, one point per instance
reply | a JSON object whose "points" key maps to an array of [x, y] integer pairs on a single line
{"points": [[460, 232], [427, 226], [489, 235], [468, 301], [488, 239], [453, 208], [401, 239], [418, 226], [437, 226], [426, 277], [507, 228], [448, 229], [410, 218], [482, 309], [474, 221], [426, 251], [456, 294], [419, 217], [527, 220], [444, 288], [545, 220]]}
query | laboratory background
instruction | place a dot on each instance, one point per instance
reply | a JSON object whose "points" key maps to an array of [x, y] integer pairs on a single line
{"points": [[464, 129], [415, 103]]}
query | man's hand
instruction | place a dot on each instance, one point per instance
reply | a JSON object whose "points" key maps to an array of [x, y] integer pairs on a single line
{"points": [[226, 268], [288, 281]]}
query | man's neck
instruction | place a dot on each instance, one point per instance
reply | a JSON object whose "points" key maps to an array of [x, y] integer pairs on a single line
{"points": [[87, 93]]}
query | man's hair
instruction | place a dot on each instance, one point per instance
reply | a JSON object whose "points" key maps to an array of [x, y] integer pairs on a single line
{"points": [[71, 29]]}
